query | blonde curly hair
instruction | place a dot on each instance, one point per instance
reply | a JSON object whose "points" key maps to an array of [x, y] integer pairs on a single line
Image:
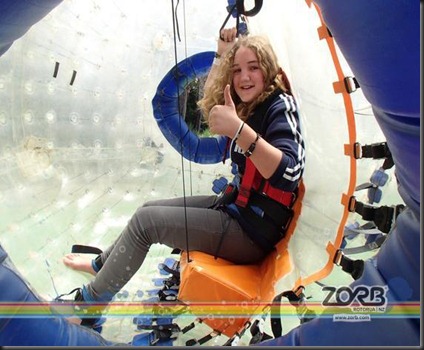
{"points": [[274, 77]]}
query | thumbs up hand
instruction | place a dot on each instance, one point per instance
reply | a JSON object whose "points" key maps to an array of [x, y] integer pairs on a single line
{"points": [[223, 119], [227, 97]]}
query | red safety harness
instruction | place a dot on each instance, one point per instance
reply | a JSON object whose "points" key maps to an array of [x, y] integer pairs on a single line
{"points": [[263, 211], [253, 179]]}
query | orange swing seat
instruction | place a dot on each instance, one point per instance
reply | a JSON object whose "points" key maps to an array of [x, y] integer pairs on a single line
{"points": [[227, 295]]}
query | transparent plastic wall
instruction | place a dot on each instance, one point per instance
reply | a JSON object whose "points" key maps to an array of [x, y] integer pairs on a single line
{"points": [[80, 149]]}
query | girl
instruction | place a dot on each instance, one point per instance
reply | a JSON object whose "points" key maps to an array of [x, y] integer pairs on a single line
{"points": [[248, 99]]}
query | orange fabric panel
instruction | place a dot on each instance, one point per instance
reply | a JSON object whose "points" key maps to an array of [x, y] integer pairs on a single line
{"points": [[210, 281], [278, 263], [207, 279]]}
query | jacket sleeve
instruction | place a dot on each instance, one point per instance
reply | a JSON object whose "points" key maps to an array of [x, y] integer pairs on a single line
{"points": [[283, 131]]}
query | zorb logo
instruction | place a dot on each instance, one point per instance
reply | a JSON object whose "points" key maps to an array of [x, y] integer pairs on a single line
{"points": [[359, 298]]}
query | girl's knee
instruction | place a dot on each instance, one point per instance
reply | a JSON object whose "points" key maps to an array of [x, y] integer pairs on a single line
{"points": [[145, 205], [150, 203]]}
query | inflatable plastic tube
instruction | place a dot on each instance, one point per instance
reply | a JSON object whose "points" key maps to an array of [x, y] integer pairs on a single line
{"points": [[17, 328], [16, 17], [205, 150], [381, 42]]}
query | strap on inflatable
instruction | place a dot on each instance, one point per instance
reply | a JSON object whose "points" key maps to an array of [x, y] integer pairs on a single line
{"points": [[353, 267], [373, 245], [257, 332], [355, 228], [170, 266], [298, 299], [375, 151], [383, 216], [375, 237], [172, 282], [211, 335], [160, 324], [234, 340], [154, 338], [348, 84]]}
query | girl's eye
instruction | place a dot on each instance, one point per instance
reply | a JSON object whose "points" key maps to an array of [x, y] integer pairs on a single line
{"points": [[236, 70]]}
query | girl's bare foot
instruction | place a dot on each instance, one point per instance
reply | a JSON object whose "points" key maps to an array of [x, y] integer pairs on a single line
{"points": [[79, 263]]}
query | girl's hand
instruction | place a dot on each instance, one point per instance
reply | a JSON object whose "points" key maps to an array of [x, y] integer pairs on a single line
{"points": [[223, 119], [226, 40]]}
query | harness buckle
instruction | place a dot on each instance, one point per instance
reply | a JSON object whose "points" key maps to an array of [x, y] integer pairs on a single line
{"points": [[351, 84], [338, 257], [357, 150], [351, 204], [243, 196]]}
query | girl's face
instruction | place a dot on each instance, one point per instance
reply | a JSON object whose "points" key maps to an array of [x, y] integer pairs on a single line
{"points": [[248, 78]]}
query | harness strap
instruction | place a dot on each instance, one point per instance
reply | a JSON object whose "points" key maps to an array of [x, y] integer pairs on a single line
{"points": [[253, 179], [246, 184], [263, 232], [284, 197]]}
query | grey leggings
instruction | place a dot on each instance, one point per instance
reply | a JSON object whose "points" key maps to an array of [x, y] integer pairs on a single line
{"points": [[172, 222]]}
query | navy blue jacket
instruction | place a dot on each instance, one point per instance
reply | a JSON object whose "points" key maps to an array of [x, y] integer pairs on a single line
{"points": [[277, 121]]}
